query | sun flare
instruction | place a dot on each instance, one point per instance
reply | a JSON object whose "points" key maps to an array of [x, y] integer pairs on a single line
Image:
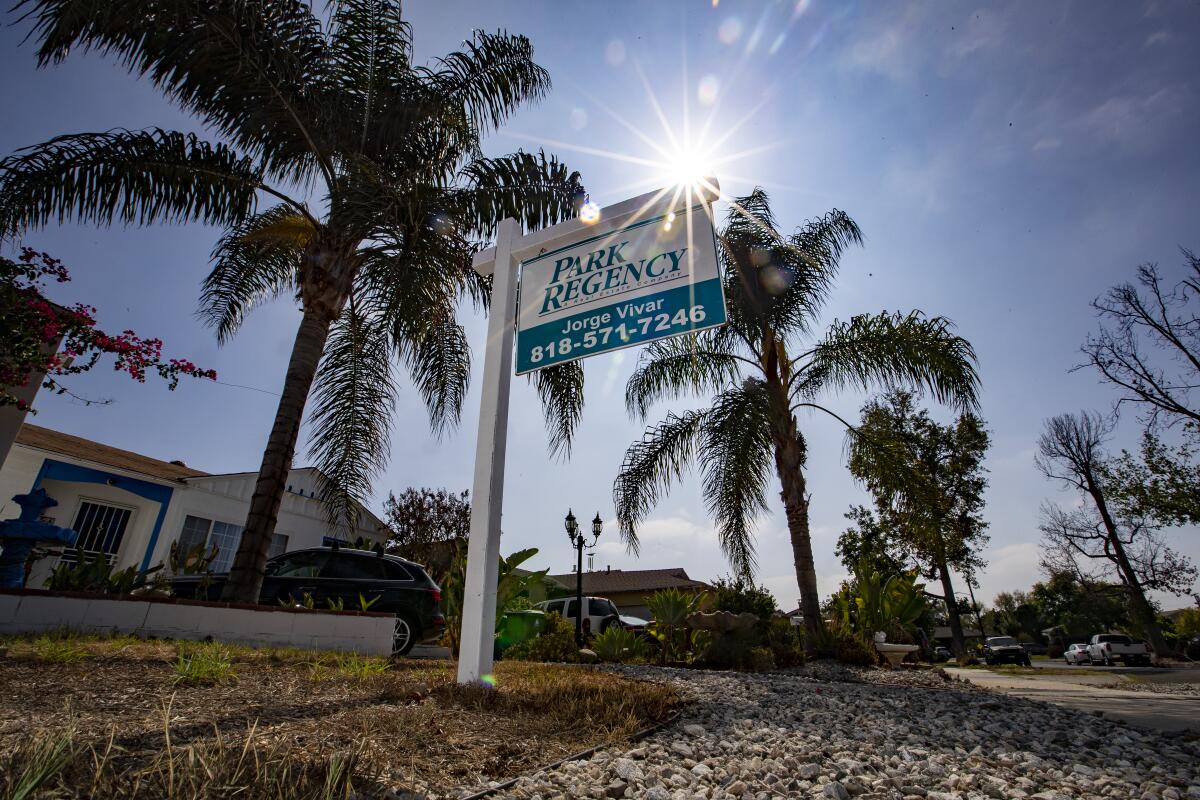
{"points": [[688, 168]]}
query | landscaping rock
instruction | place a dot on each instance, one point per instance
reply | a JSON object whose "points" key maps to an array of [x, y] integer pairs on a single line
{"points": [[587, 656], [829, 732]]}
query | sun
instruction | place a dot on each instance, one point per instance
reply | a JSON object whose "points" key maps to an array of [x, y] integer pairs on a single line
{"points": [[688, 168]]}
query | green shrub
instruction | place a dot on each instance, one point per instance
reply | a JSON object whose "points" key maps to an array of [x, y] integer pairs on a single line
{"points": [[203, 664], [1054, 650], [96, 574], [557, 643], [786, 642], [761, 659], [846, 646], [617, 644], [740, 595], [731, 650]]}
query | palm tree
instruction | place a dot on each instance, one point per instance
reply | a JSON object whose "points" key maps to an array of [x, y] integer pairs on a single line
{"points": [[378, 195], [762, 367]]}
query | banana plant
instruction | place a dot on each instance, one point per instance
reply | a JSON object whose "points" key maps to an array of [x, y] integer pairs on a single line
{"points": [[875, 603], [510, 585]]}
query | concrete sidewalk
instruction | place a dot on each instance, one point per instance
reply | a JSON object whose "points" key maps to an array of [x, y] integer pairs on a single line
{"points": [[1162, 712]]}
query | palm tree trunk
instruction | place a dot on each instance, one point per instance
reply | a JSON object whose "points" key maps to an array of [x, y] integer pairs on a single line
{"points": [[789, 465], [958, 644], [245, 579]]}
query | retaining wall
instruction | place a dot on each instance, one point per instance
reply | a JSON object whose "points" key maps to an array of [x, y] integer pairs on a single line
{"points": [[41, 611]]}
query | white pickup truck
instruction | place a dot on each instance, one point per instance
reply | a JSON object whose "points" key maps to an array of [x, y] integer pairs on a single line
{"points": [[1108, 648]]}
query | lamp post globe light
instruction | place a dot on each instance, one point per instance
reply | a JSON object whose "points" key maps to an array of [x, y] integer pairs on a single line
{"points": [[579, 542]]}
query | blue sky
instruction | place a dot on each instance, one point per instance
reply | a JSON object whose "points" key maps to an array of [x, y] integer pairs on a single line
{"points": [[1007, 163]]}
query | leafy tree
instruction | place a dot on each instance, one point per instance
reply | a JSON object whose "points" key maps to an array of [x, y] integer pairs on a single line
{"points": [[1139, 322], [1079, 607], [868, 541], [766, 364], [329, 109], [1105, 538], [927, 482], [1162, 482], [425, 523], [1015, 614], [1187, 623], [737, 594], [43, 338]]}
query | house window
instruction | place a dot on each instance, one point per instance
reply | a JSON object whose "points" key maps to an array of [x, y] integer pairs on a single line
{"points": [[200, 531], [101, 529], [226, 536], [279, 545], [194, 535]]}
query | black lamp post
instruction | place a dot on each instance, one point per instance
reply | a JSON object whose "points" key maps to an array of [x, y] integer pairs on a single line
{"points": [[578, 541]]}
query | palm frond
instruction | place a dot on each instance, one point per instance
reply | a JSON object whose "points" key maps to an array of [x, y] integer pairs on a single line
{"points": [[673, 367], [416, 283], [893, 351], [253, 262], [809, 265], [561, 391], [438, 358], [371, 51], [491, 77], [777, 281], [253, 69], [650, 466], [736, 457], [535, 189], [133, 177], [354, 400]]}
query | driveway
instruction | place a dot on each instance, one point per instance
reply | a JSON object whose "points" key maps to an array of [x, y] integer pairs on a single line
{"points": [[1090, 692]]}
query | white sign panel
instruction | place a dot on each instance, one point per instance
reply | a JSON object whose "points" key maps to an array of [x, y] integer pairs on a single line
{"points": [[651, 279]]}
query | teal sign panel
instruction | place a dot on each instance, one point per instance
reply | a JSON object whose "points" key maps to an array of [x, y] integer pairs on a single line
{"points": [[651, 279]]}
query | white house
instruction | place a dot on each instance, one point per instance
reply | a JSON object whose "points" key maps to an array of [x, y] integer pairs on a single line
{"points": [[132, 508]]}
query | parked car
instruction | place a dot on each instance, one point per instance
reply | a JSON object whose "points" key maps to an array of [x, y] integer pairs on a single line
{"points": [[1034, 648], [334, 577], [1077, 654], [601, 612], [941, 653], [1004, 649], [1109, 648]]}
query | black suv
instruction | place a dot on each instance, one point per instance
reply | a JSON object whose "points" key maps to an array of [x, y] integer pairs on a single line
{"points": [[340, 576], [1001, 649]]}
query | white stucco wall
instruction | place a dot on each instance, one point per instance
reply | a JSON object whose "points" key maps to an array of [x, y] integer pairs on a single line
{"points": [[221, 498]]}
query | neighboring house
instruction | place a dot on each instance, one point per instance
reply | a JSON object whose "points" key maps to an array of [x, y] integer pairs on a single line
{"points": [[942, 636], [131, 507], [630, 589]]}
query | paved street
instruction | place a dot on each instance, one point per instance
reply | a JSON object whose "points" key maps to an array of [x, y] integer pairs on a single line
{"points": [[1165, 712]]}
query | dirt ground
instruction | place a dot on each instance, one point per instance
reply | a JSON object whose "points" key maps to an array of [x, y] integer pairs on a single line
{"points": [[411, 725]]}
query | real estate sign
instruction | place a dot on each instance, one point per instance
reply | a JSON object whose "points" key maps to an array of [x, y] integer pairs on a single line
{"points": [[650, 279]]}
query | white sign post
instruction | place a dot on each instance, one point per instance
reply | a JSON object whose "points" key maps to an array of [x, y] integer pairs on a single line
{"points": [[643, 258]]}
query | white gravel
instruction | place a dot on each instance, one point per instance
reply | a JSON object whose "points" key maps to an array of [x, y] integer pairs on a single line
{"points": [[831, 733]]}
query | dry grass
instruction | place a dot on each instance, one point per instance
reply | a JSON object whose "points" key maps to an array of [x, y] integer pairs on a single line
{"points": [[115, 720]]}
